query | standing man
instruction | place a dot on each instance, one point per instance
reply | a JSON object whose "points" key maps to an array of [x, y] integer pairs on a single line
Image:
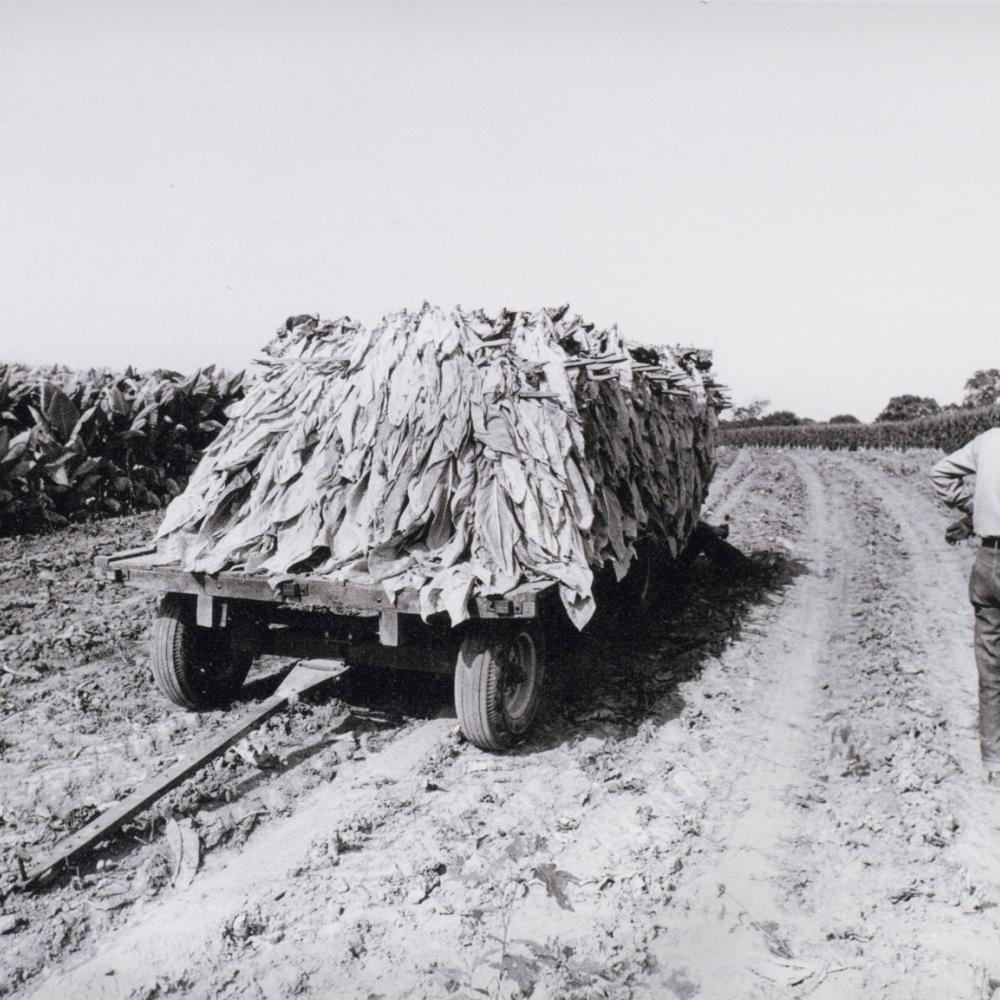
{"points": [[981, 506]]}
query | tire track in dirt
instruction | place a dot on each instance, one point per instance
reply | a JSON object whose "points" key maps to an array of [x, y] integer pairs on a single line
{"points": [[897, 779], [860, 819], [732, 941], [936, 582], [729, 485], [936, 578], [832, 869]]}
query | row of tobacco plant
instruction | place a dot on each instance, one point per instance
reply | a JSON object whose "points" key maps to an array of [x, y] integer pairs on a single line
{"points": [[80, 443], [946, 431]]}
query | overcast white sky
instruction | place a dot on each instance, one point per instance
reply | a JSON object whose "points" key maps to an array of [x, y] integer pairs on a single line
{"points": [[813, 191]]}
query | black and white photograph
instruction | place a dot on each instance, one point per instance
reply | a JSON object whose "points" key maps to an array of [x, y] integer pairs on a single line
{"points": [[499, 500]]}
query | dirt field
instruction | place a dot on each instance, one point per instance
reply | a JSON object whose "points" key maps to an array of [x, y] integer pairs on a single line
{"points": [[770, 791]]}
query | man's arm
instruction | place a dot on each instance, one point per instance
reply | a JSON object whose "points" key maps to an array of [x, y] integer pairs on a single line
{"points": [[949, 475]]}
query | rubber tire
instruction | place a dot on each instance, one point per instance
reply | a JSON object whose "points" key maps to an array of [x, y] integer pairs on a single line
{"points": [[479, 685], [194, 667]]}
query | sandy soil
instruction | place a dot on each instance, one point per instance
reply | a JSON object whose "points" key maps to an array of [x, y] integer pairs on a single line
{"points": [[771, 790]]}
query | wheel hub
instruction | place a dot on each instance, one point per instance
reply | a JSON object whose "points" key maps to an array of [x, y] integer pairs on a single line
{"points": [[520, 668]]}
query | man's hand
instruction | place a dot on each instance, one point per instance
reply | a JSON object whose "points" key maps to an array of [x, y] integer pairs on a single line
{"points": [[959, 530]]}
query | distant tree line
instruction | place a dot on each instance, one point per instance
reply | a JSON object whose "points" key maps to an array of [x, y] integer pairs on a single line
{"points": [[982, 389], [946, 431]]}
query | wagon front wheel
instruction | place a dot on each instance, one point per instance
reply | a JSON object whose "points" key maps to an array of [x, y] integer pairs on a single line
{"points": [[498, 684], [194, 667]]}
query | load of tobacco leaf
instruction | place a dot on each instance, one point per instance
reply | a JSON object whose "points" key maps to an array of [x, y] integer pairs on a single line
{"points": [[452, 454]]}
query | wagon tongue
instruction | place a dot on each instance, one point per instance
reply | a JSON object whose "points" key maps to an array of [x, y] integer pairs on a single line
{"points": [[304, 676]]}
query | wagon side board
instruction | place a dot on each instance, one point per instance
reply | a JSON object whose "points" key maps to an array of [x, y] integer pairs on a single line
{"points": [[354, 599]]}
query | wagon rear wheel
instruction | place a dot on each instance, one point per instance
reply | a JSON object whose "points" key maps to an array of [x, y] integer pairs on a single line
{"points": [[498, 684], [194, 667]]}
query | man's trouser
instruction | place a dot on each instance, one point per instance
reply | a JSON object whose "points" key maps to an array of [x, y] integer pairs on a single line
{"points": [[984, 592]]}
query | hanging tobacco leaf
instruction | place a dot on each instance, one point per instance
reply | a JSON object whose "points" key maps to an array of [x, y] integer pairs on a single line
{"points": [[453, 454]]}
